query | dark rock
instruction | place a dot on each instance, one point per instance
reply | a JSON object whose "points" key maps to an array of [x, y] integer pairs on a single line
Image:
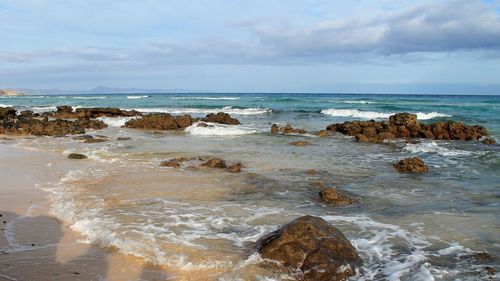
{"points": [[313, 246], [83, 137], [235, 168], [123, 138], [67, 112], [7, 112], [215, 163], [403, 119], [94, 140], [91, 124], [288, 129], [489, 141], [77, 156], [490, 270], [411, 165], [483, 256], [160, 121], [221, 118], [334, 197]]}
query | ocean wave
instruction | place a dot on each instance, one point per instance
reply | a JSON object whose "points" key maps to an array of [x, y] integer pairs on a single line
{"points": [[5, 105], [215, 129], [114, 121], [40, 109], [357, 102], [205, 98], [356, 113], [432, 147], [90, 98], [137, 97], [227, 109]]}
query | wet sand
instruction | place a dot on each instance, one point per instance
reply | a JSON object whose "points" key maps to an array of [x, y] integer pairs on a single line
{"points": [[39, 246]]}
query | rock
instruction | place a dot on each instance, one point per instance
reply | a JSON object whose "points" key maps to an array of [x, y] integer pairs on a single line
{"points": [[313, 246], [214, 163], [483, 256], [123, 138], [489, 141], [7, 112], [235, 168], [171, 163], [221, 118], [67, 112], [300, 143], [411, 165], [160, 121], [77, 156], [405, 125], [323, 133], [91, 124], [83, 137], [332, 196], [94, 140], [490, 270], [288, 129], [311, 172]]}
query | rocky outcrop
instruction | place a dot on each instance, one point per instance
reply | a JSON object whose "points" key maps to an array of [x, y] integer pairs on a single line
{"points": [[323, 133], [221, 118], [160, 121], [66, 112], [310, 244], [334, 197], [287, 130], [235, 168], [174, 162], [411, 165], [405, 125], [489, 141]]}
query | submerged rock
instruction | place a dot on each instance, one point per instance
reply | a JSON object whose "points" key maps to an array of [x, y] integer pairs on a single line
{"points": [[221, 118], [300, 143], [215, 163], [411, 165], [406, 125], [94, 140], [160, 121], [235, 168], [310, 244], [323, 133], [83, 137], [334, 197], [77, 156], [123, 138], [171, 163]]}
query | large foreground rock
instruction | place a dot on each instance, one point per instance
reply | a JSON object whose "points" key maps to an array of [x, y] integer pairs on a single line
{"points": [[405, 125], [160, 121], [411, 165], [312, 245]]}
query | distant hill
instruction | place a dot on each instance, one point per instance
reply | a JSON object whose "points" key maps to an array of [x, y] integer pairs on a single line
{"points": [[10, 92]]}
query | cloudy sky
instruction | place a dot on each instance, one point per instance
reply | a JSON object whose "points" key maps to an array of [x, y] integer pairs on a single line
{"points": [[252, 46]]}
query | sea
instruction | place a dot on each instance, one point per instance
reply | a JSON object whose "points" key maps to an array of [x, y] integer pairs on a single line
{"points": [[404, 226]]}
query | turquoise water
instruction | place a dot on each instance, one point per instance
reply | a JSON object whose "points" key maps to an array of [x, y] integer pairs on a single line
{"points": [[406, 227]]}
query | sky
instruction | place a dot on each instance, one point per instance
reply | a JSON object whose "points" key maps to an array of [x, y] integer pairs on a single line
{"points": [[253, 46]]}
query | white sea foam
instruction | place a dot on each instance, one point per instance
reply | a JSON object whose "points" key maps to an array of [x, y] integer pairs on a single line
{"points": [[40, 109], [215, 129], [205, 98], [5, 105], [433, 147], [227, 109], [137, 97], [356, 113], [114, 121], [357, 102]]}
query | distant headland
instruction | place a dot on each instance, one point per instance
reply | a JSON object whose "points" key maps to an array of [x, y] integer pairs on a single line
{"points": [[9, 92]]}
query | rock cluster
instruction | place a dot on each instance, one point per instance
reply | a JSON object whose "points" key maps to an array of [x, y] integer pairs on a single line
{"points": [[160, 121], [66, 112], [411, 165], [334, 197], [29, 123], [310, 244], [405, 125]]}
